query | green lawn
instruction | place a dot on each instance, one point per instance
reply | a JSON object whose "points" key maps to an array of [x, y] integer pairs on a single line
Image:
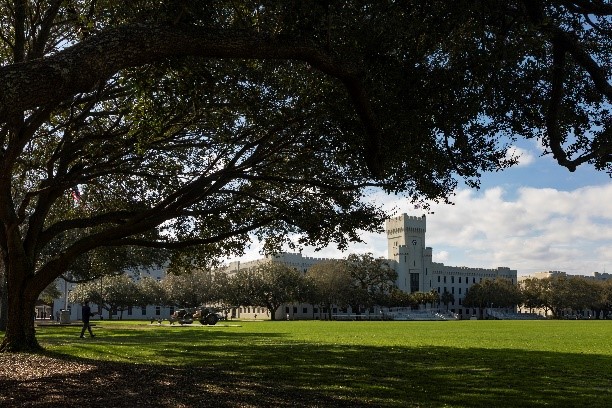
{"points": [[390, 364]]}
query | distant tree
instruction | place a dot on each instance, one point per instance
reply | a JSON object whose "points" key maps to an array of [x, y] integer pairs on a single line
{"points": [[113, 294], [532, 292], [419, 298], [50, 293], [399, 298], [606, 300], [268, 285], [503, 293], [372, 280], [332, 282], [563, 293], [307, 293], [493, 293], [118, 293], [191, 289], [150, 292], [86, 291], [583, 294], [476, 297], [596, 297], [446, 298], [280, 284], [223, 300], [557, 294], [432, 297]]}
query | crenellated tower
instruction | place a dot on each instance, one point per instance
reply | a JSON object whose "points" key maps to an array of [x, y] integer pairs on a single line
{"points": [[406, 246]]}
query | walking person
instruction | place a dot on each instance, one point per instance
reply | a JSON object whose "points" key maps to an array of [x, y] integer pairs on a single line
{"points": [[86, 313]]}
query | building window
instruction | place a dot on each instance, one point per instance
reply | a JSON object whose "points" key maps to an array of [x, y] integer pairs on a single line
{"points": [[287, 309], [414, 282], [294, 309], [438, 278], [305, 310], [452, 279], [445, 279], [144, 311], [129, 311], [453, 290], [157, 311], [459, 290], [460, 279]]}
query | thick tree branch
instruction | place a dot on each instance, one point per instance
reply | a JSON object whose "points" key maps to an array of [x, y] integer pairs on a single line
{"points": [[552, 115], [595, 7], [38, 43], [77, 69], [191, 242], [565, 43]]}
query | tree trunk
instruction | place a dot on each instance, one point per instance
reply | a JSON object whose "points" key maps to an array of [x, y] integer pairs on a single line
{"points": [[20, 334], [3, 296], [272, 313]]}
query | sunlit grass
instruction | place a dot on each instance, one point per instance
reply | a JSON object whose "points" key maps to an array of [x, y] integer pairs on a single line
{"points": [[394, 364]]}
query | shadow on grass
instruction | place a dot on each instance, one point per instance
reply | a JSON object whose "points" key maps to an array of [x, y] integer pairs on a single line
{"points": [[224, 369]]}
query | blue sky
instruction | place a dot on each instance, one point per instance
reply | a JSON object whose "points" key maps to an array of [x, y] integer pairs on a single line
{"points": [[534, 217]]}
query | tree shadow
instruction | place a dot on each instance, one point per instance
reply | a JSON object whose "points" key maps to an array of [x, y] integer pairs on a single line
{"points": [[267, 371]]}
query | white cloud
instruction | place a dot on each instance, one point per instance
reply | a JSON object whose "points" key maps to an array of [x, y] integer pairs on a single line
{"points": [[536, 230], [525, 157], [542, 229]]}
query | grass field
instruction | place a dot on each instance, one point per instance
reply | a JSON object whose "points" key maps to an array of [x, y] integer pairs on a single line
{"points": [[377, 364]]}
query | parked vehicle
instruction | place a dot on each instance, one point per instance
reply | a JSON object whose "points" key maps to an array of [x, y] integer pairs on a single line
{"points": [[204, 315]]}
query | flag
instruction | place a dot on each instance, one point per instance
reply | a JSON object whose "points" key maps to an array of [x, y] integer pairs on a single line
{"points": [[76, 195]]}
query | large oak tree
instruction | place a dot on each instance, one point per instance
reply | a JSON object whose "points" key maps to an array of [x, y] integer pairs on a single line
{"points": [[175, 123]]}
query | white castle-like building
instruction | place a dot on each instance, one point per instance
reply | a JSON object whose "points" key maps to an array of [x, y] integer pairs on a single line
{"points": [[416, 270], [407, 254], [411, 259]]}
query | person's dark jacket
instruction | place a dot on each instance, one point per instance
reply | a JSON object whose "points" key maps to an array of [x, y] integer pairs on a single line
{"points": [[86, 312]]}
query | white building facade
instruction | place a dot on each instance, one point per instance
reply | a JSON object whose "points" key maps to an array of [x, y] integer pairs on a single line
{"points": [[289, 311], [587, 313], [417, 272], [411, 259], [135, 312], [407, 254]]}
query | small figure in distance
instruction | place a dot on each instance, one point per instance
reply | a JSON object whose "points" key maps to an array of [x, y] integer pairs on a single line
{"points": [[86, 313]]}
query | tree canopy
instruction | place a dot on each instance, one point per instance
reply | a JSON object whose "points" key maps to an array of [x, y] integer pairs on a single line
{"points": [[168, 124], [270, 285]]}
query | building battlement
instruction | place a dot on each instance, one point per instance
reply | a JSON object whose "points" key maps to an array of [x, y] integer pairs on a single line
{"points": [[406, 217], [406, 221]]}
